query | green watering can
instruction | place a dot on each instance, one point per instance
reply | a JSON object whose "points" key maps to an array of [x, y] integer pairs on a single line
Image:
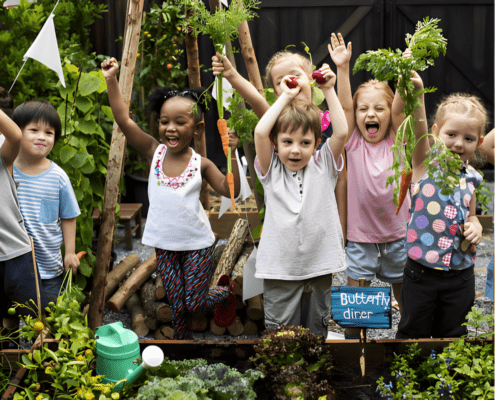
{"points": [[117, 349]]}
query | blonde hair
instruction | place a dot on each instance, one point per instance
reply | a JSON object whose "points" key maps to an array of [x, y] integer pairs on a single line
{"points": [[302, 61], [378, 85], [298, 114], [464, 104]]}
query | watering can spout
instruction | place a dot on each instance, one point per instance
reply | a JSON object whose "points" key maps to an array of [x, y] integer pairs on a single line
{"points": [[134, 374]]}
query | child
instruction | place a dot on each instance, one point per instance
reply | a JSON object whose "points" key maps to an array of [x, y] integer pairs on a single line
{"points": [[17, 277], [302, 243], [299, 67], [177, 225], [47, 200], [375, 234], [438, 288]]}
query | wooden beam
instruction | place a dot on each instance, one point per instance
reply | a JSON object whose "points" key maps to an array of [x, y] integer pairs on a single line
{"points": [[350, 23], [115, 158], [194, 74]]}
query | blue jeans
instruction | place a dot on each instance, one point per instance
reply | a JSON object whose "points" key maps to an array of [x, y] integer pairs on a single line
{"points": [[51, 288]]}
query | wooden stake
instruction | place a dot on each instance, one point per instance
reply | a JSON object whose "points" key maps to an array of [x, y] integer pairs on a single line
{"points": [[362, 336], [115, 158], [195, 81], [38, 296]]}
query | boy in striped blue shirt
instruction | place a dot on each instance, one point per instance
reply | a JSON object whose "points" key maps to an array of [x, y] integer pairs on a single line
{"points": [[46, 198]]}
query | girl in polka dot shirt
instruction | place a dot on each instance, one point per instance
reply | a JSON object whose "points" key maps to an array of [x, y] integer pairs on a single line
{"points": [[443, 231]]}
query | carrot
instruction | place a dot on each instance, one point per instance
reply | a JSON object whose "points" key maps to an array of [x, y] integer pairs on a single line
{"points": [[81, 254], [230, 181], [405, 182], [224, 134]]}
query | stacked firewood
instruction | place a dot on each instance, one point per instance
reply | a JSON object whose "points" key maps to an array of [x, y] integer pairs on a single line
{"points": [[142, 292]]}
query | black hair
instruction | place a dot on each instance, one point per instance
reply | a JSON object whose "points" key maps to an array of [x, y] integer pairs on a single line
{"points": [[160, 95], [36, 111]]}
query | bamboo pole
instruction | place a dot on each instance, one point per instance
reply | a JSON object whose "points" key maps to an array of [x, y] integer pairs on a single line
{"points": [[115, 158], [192, 54]]}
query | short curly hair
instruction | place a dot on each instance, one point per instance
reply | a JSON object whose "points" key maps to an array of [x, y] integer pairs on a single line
{"points": [[158, 97]]}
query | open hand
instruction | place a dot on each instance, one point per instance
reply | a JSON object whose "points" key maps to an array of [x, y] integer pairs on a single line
{"points": [[71, 261], [341, 55], [473, 232], [329, 75], [221, 64], [109, 67]]}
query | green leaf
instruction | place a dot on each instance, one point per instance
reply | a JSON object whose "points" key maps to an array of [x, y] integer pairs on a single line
{"points": [[79, 159], [88, 84], [26, 360], [37, 356], [259, 187], [85, 269], [88, 127], [108, 112], [84, 104], [67, 153], [88, 167], [256, 233]]}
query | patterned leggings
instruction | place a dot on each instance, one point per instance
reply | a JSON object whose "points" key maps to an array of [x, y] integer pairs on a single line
{"points": [[186, 276]]}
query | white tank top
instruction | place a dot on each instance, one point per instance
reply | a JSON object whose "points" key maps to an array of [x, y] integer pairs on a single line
{"points": [[176, 218]]}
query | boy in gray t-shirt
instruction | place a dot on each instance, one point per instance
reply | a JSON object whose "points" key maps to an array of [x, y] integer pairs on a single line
{"points": [[17, 278], [302, 243]]}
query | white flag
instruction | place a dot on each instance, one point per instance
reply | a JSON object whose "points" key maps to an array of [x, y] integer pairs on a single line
{"points": [[45, 49]]}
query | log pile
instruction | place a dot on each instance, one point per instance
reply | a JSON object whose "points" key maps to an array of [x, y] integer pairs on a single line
{"points": [[142, 292]]}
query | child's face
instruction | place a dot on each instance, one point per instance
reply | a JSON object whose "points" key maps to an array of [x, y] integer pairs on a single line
{"points": [[176, 124], [38, 139], [372, 115], [290, 66], [461, 135], [295, 148]]}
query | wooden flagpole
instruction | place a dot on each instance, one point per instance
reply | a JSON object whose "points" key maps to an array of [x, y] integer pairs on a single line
{"points": [[115, 159]]}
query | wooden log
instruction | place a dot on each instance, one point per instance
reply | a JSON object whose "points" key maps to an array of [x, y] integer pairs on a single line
{"points": [[147, 296], [199, 322], [246, 251], [250, 326], [232, 250], [236, 328], [137, 315], [160, 292], [215, 329], [116, 275], [239, 305], [217, 254], [162, 312], [238, 285], [254, 308], [151, 323], [132, 284], [115, 159], [165, 332]]}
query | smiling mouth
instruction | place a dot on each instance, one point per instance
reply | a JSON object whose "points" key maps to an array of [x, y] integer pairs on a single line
{"points": [[295, 160], [40, 146], [372, 128], [173, 141]]}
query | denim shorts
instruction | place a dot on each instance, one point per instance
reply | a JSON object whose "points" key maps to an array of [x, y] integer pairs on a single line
{"points": [[386, 261]]}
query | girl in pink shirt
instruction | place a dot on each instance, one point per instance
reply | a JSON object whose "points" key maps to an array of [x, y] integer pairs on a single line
{"points": [[375, 234]]}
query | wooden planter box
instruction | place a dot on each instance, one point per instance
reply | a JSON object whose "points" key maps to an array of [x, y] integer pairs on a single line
{"points": [[346, 353]]}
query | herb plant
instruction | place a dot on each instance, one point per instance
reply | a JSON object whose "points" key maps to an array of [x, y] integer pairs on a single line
{"points": [[426, 44], [296, 362], [463, 370]]}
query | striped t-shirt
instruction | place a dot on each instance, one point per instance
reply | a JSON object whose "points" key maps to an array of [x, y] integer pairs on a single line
{"points": [[44, 199]]}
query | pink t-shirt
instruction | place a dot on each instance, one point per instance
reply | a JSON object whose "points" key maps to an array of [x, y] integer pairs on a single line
{"points": [[370, 208]]}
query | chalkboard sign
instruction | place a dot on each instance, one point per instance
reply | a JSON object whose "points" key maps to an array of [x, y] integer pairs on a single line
{"points": [[361, 307]]}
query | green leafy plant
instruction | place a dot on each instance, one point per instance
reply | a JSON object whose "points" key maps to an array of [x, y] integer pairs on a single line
{"points": [[296, 363], [83, 150], [426, 44], [64, 372], [463, 370]]}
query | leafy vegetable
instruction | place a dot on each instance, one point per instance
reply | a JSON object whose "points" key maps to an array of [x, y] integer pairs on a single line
{"points": [[426, 44], [242, 120]]}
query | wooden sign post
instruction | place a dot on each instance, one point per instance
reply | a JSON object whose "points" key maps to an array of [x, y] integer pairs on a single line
{"points": [[362, 307]]}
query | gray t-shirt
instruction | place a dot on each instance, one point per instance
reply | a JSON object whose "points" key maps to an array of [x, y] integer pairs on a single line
{"points": [[14, 240], [302, 236]]}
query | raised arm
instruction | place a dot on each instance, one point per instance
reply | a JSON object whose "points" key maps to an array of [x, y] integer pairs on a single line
{"points": [[137, 138], [221, 64], [422, 147], [266, 123], [339, 124], [487, 148], [341, 56], [12, 143]]}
